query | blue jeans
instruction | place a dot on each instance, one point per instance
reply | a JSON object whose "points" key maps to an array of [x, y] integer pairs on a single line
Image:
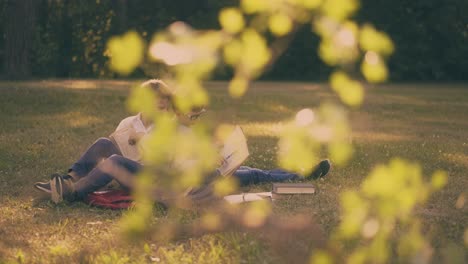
{"points": [[103, 162], [100, 150], [247, 175]]}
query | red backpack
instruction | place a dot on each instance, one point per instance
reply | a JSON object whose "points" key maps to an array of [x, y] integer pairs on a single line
{"points": [[112, 199]]}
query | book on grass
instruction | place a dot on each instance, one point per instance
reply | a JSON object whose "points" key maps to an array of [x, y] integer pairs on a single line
{"points": [[293, 188], [247, 197], [234, 152], [121, 137]]}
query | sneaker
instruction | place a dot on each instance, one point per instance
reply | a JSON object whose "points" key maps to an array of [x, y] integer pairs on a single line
{"points": [[321, 170], [62, 188], [45, 186], [59, 187]]}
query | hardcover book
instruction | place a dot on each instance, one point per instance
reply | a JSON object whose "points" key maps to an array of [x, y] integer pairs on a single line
{"points": [[122, 138], [293, 188]]}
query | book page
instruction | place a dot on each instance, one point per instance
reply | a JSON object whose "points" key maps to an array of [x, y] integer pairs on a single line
{"points": [[121, 137], [234, 152]]}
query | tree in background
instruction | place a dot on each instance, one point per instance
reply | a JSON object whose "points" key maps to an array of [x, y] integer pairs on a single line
{"points": [[18, 35], [65, 40], [121, 7]]}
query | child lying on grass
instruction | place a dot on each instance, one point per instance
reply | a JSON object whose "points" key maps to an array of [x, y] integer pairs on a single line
{"points": [[103, 161]]}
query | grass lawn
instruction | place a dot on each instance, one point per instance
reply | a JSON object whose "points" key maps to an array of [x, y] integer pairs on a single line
{"points": [[46, 125]]}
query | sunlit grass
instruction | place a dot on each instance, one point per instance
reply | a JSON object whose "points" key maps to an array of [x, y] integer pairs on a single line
{"points": [[46, 125]]}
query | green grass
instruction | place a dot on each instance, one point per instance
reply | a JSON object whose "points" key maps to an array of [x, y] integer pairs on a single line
{"points": [[46, 125]]}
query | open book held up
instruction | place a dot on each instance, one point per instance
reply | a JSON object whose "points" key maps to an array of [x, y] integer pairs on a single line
{"points": [[234, 152], [122, 138]]}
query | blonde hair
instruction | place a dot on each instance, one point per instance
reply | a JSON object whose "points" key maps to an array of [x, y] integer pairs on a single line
{"points": [[160, 87]]}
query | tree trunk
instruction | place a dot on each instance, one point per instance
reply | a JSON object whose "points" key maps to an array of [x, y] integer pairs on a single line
{"points": [[65, 41], [19, 30], [120, 8]]}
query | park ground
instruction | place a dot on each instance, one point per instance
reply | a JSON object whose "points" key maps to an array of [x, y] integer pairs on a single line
{"points": [[45, 125]]}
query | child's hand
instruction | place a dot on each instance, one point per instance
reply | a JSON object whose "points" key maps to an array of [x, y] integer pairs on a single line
{"points": [[222, 162], [134, 137], [132, 141]]}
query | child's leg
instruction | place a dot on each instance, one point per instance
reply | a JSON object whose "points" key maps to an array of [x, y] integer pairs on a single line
{"points": [[98, 151], [116, 167], [247, 175]]}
